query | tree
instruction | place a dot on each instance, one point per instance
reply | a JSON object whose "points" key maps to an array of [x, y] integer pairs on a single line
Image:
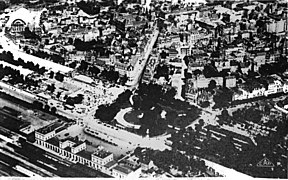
{"points": [[223, 97], [53, 110], [90, 8], [30, 35], [51, 75], [170, 94], [197, 72], [58, 94], [267, 109], [106, 113], [9, 56], [205, 104], [94, 70], [46, 108], [65, 97], [227, 150], [137, 100], [16, 1], [83, 66], [42, 70], [225, 114], [37, 105], [198, 127], [212, 85], [73, 64], [253, 115], [70, 41], [124, 97], [3, 5], [123, 79], [162, 71], [59, 77], [50, 1], [210, 71], [51, 88], [201, 122]]}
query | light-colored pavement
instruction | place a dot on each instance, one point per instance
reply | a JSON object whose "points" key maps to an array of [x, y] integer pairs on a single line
{"points": [[208, 116], [120, 118], [125, 136]]}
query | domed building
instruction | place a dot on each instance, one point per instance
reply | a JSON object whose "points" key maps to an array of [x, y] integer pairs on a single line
{"points": [[22, 18]]}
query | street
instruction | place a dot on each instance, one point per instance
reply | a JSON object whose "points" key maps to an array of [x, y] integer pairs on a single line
{"points": [[140, 65]]}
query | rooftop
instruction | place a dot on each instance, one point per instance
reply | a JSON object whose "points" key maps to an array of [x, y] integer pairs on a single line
{"points": [[110, 164], [54, 141], [74, 140], [67, 149], [85, 154], [101, 154], [83, 78], [123, 169], [50, 128]]}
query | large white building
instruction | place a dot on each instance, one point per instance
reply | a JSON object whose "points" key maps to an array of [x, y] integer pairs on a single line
{"points": [[52, 138], [22, 18], [71, 148], [280, 26], [275, 86]]}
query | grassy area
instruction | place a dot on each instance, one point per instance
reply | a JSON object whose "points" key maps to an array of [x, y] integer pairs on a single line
{"points": [[131, 116]]}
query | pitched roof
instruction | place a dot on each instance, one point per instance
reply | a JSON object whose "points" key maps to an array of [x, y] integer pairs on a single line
{"points": [[122, 169]]}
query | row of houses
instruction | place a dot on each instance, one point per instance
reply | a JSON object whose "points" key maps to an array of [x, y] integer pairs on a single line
{"points": [[249, 89], [258, 89]]}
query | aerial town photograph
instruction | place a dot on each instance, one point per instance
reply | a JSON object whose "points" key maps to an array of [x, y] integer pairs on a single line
{"points": [[132, 89]]}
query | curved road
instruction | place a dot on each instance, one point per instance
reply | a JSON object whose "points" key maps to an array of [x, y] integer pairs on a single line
{"points": [[120, 118]]}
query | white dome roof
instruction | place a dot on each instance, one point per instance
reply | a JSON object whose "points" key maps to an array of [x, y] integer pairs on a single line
{"points": [[28, 17]]}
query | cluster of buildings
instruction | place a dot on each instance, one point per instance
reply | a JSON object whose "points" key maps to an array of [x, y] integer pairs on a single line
{"points": [[95, 92], [186, 46], [58, 26], [261, 87], [53, 139], [198, 31], [233, 38]]}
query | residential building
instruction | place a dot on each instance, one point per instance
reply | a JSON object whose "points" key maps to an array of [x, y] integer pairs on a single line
{"points": [[259, 87]]}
